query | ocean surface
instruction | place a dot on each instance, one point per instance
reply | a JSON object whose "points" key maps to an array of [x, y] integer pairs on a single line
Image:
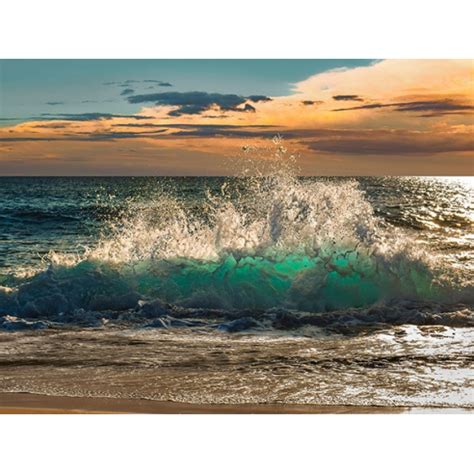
{"points": [[270, 289]]}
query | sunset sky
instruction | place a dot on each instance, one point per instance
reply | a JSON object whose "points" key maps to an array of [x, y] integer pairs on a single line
{"points": [[189, 117]]}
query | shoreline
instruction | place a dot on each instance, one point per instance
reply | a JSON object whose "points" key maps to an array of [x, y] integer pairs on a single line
{"points": [[29, 403]]}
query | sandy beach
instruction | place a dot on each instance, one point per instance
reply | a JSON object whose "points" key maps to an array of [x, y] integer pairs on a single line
{"points": [[27, 403]]}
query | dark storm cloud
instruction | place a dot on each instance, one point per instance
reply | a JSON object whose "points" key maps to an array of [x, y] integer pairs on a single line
{"points": [[367, 106], [128, 82], [223, 126], [86, 137], [187, 110], [193, 103], [219, 132], [112, 135], [50, 125], [428, 108], [135, 125], [159, 83], [197, 126], [28, 139], [127, 92], [197, 132], [259, 98], [88, 116], [175, 130], [311, 102], [385, 142], [439, 114], [434, 107], [225, 130], [349, 97]]}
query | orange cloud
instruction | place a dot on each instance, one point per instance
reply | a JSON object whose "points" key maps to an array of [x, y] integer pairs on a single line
{"points": [[410, 111]]}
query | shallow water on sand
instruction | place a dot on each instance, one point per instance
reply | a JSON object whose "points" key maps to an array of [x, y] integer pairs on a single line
{"points": [[406, 366]]}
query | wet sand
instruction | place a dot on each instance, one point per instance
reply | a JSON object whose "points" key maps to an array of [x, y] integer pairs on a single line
{"points": [[26, 403]]}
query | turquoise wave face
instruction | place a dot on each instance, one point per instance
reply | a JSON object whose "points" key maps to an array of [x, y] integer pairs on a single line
{"points": [[299, 282], [335, 280]]}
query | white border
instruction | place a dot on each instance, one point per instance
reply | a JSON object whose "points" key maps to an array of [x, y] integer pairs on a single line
{"points": [[238, 29], [236, 444]]}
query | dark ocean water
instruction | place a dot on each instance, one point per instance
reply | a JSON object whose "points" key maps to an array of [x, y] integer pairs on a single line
{"points": [[272, 289]]}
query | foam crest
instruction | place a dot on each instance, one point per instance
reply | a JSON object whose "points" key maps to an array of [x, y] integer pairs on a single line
{"points": [[268, 215]]}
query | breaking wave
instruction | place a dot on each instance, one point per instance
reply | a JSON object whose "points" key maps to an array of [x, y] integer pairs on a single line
{"points": [[267, 240]]}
